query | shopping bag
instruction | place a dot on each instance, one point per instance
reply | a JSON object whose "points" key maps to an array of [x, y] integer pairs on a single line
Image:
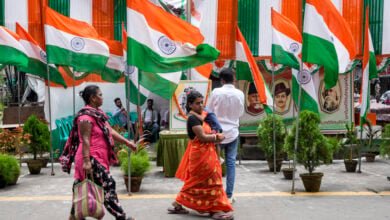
{"points": [[88, 199]]}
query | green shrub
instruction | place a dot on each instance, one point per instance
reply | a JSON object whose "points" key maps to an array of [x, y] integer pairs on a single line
{"points": [[334, 144], [265, 134], [40, 136], [385, 145], [9, 167], [313, 148], [139, 164]]}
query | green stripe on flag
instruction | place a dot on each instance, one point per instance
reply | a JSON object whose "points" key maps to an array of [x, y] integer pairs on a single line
{"points": [[376, 22], [134, 93], [12, 56], [158, 85], [323, 53], [119, 17], [243, 71], [111, 75], [307, 102], [81, 62], [147, 60], [373, 71], [62, 7], [248, 22], [36, 67], [282, 57]]}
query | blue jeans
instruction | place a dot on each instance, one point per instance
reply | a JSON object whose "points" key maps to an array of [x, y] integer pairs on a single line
{"points": [[230, 160]]}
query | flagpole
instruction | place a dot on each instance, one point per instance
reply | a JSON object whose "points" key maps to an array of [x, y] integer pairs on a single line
{"points": [[19, 106], [138, 107], [297, 130], [360, 145], [50, 127], [273, 115], [74, 96], [128, 131], [189, 21]]}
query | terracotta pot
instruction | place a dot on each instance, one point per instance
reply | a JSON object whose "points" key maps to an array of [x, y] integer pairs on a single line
{"points": [[350, 165], [370, 157], [279, 162], [135, 183], [288, 173], [44, 162], [34, 166], [312, 182]]}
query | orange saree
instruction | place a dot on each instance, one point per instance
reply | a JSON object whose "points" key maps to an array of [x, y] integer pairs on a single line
{"points": [[201, 173]]}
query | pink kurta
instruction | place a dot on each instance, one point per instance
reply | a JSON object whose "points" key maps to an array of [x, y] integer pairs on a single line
{"points": [[99, 148]]}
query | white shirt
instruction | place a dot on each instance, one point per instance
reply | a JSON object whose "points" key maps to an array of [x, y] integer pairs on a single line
{"points": [[227, 103], [150, 115]]}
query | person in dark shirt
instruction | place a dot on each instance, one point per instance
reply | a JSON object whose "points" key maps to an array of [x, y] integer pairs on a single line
{"points": [[200, 169]]}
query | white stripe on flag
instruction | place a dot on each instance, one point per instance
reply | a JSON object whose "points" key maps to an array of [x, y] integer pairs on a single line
{"points": [[284, 41], [55, 37], [81, 10], [33, 51], [15, 11], [386, 28], [240, 52], [208, 10], [142, 33], [265, 26], [315, 25], [115, 62]]}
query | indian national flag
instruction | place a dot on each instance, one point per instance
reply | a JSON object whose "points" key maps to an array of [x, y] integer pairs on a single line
{"points": [[70, 42], [244, 58], [114, 67], [133, 73], [327, 39], [367, 71], [286, 49], [12, 52], [202, 72], [37, 58], [160, 42]]}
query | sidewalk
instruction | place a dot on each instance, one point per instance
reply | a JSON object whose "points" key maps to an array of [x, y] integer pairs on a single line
{"points": [[259, 194]]}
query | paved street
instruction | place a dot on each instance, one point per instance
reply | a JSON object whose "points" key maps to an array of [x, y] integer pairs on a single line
{"points": [[259, 194]]}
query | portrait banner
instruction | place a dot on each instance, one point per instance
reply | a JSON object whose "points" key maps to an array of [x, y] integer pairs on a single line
{"points": [[335, 104], [177, 104]]}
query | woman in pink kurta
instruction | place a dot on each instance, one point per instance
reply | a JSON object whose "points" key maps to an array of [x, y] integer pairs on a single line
{"points": [[90, 146]]}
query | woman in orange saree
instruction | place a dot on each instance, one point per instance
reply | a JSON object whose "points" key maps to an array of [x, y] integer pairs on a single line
{"points": [[200, 169]]}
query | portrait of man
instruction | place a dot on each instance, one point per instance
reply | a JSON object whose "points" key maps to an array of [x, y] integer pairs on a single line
{"points": [[282, 99], [253, 105], [330, 98]]}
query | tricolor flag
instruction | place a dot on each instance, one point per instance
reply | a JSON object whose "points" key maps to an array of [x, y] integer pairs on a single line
{"points": [[202, 72], [133, 73], [12, 52], [367, 71], [160, 42], [372, 70], [327, 39], [114, 67], [286, 49], [70, 42], [244, 58], [37, 58]]}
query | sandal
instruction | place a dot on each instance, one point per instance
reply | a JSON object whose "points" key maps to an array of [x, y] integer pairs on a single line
{"points": [[178, 210], [222, 216]]}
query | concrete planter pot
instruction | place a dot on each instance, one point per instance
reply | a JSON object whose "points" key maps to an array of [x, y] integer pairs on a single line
{"points": [[288, 173], [312, 182], [279, 162], [135, 183], [350, 165], [370, 157], [34, 166]]}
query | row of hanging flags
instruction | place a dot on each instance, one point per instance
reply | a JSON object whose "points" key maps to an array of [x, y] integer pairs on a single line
{"points": [[158, 46]]}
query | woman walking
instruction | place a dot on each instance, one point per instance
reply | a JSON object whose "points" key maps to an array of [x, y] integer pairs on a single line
{"points": [[200, 169], [90, 146]]}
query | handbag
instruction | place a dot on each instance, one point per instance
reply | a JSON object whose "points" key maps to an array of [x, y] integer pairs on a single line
{"points": [[88, 199]]}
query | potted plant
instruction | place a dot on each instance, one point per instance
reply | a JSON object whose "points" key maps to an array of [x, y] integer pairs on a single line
{"points": [[335, 145], [349, 144], [139, 165], [371, 133], [39, 142], [265, 134], [312, 149], [384, 148], [9, 170]]}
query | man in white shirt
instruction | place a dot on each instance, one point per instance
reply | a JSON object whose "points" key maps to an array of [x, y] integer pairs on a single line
{"points": [[227, 103], [150, 117]]}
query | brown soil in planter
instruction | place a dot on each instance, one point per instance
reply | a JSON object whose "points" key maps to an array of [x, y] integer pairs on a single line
{"points": [[350, 165], [312, 182]]}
